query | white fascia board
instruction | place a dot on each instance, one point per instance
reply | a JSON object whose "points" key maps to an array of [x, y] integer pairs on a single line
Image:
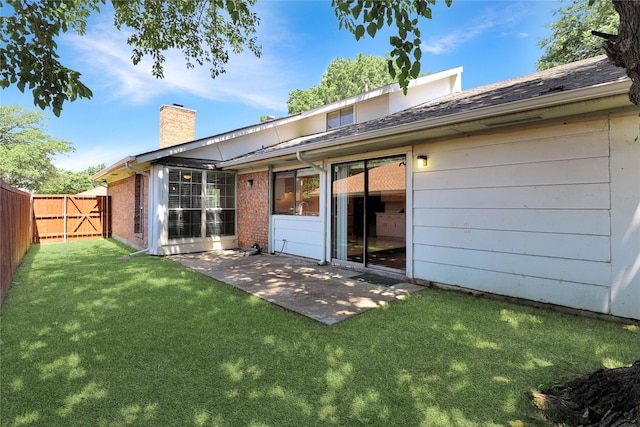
{"points": [[437, 76], [204, 142], [591, 93], [374, 93], [117, 165]]}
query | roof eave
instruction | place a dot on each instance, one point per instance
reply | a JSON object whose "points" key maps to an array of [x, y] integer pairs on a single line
{"points": [[574, 96], [111, 168], [377, 92]]}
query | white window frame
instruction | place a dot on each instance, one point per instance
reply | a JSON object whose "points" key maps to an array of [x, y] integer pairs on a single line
{"points": [[342, 117], [207, 203]]}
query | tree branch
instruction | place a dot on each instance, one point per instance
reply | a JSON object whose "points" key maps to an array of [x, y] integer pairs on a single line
{"points": [[604, 35]]}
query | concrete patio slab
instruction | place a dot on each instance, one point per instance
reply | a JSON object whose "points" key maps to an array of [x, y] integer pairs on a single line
{"points": [[326, 293]]}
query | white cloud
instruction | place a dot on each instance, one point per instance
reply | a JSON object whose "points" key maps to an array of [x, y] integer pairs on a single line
{"points": [[512, 34], [258, 82], [468, 31]]}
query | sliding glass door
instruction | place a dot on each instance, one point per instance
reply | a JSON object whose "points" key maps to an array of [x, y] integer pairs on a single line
{"points": [[368, 212]]}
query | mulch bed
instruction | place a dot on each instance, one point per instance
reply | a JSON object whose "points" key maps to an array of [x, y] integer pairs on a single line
{"points": [[605, 398]]}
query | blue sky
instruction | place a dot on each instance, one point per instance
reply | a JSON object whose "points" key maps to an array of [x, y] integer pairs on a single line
{"points": [[492, 40]]}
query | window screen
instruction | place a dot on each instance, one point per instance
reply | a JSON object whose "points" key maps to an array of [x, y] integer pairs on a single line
{"points": [[201, 203]]}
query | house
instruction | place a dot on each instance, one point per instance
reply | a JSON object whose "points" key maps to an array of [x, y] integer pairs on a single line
{"points": [[528, 188], [97, 191]]}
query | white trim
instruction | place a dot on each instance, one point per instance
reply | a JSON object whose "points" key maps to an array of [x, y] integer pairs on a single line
{"points": [[408, 210], [329, 163], [117, 165]]}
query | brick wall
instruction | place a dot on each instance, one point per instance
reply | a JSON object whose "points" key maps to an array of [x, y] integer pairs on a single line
{"points": [[177, 125], [253, 210], [122, 211]]}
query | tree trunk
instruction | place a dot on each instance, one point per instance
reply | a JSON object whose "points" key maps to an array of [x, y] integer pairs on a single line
{"points": [[624, 50]]}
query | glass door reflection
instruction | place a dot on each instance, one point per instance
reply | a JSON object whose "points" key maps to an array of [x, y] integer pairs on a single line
{"points": [[368, 211]]}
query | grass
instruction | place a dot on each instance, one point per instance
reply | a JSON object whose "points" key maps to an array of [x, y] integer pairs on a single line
{"points": [[91, 339]]}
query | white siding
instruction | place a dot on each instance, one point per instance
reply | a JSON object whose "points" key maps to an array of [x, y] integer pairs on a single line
{"points": [[314, 124], [372, 109], [298, 235], [625, 216], [398, 101], [524, 214], [185, 246]]}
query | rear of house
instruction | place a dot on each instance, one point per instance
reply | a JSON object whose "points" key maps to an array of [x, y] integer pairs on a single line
{"points": [[527, 188]]}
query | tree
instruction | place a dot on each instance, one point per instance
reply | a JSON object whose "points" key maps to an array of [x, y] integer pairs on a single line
{"points": [[203, 30], [304, 99], [63, 181], [26, 151], [367, 17], [343, 78], [575, 36], [623, 49], [571, 38]]}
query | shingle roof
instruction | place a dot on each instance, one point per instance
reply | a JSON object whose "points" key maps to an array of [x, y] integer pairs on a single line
{"points": [[581, 74], [389, 178]]}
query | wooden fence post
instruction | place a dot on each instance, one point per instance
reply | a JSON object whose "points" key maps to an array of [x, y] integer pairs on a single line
{"points": [[65, 218], [14, 232]]}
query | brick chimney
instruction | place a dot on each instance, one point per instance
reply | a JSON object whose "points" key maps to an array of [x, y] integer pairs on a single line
{"points": [[177, 125]]}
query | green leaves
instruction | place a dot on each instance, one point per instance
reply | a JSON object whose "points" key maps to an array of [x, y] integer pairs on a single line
{"points": [[571, 39], [343, 78], [415, 70], [28, 57], [205, 31], [26, 151], [371, 29], [358, 15], [63, 181]]}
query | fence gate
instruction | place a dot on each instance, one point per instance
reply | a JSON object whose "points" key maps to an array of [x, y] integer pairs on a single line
{"points": [[63, 218]]}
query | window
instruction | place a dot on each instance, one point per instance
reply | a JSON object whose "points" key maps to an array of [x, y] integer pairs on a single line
{"points": [[201, 203], [339, 118], [138, 205], [297, 192], [220, 205]]}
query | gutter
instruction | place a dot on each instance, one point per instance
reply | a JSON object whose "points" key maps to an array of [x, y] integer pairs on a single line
{"points": [[131, 168], [308, 163], [323, 202], [111, 168], [138, 171]]}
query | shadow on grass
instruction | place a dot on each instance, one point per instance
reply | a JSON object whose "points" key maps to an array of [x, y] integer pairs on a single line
{"points": [[89, 338]]}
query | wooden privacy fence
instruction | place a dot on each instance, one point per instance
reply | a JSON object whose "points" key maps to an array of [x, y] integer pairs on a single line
{"points": [[14, 232], [63, 218]]}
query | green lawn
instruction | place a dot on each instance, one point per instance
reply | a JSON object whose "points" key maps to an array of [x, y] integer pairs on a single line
{"points": [[91, 339]]}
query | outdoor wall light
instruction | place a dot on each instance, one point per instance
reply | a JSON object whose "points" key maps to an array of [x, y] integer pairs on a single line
{"points": [[422, 161]]}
